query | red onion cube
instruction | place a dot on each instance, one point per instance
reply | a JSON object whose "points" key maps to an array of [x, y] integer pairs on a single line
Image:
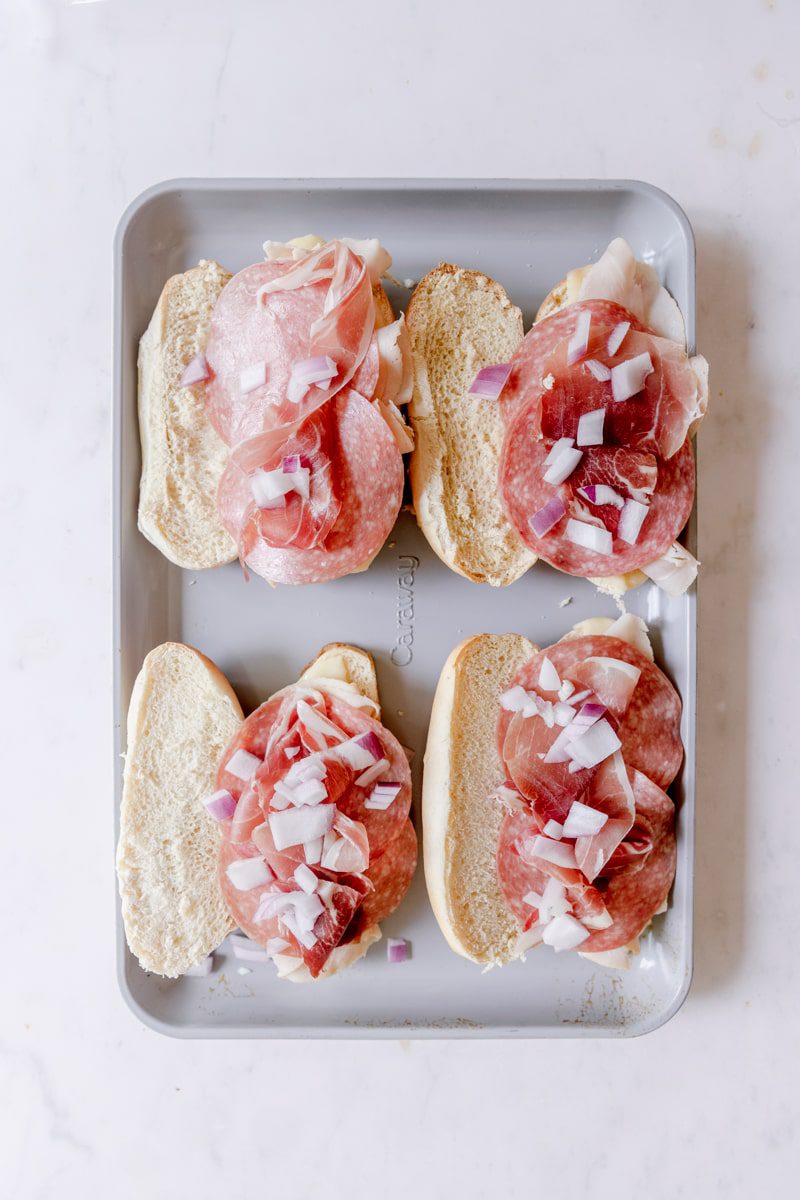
{"points": [[555, 852], [372, 773], [558, 449], [305, 879], [564, 933], [579, 342], [554, 830], [196, 371], [371, 743], [583, 821], [631, 520], [563, 466], [601, 372], [252, 377], [221, 805], [601, 493], [243, 765], [590, 427], [549, 680], [290, 463], [591, 537], [248, 873], [489, 383], [548, 517], [594, 746], [397, 950], [617, 336], [627, 378], [296, 826]]}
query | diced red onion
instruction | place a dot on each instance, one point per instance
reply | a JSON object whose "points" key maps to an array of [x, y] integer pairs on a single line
{"points": [[282, 795], [554, 896], [306, 907], [564, 933], [296, 826], [590, 427], [563, 466], [631, 521], [310, 767], [220, 805], [196, 371], [396, 950], [601, 372], [312, 851], [248, 873], [558, 751], [566, 690], [243, 765], [325, 888], [372, 773], [554, 830], [597, 744], [591, 537], [305, 937], [382, 796], [579, 342], [588, 714], [305, 879], [290, 463], [617, 336], [319, 370], [269, 489], [627, 378], [343, 855], [559, 853], [601, 493], [516, 699], [354, 754], [311, 791], [578, 697], [548, 517], [564, 714], [583, 821], [558, 448], [489, 383], [549, 680], [371, 742], [203, 968], [252, 377]]}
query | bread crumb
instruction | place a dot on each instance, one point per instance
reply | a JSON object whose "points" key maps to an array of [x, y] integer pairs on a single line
{"points": [[547, 382], [563, 603], [409, 283], [243, 971]]}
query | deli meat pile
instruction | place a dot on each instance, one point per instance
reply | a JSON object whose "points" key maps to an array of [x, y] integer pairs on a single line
{"points": [[588, 734], [304, 384], [317, 847]]}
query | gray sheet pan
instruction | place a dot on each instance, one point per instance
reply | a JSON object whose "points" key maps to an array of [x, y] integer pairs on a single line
{"points": [[526, 234]]}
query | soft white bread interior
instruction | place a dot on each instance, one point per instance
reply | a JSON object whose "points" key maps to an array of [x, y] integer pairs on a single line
{"points": [[183, 456], [460, 321], [182, 714], [460, 824]]}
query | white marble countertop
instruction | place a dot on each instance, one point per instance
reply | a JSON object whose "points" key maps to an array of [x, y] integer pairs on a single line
{"points": [[102, 99]]}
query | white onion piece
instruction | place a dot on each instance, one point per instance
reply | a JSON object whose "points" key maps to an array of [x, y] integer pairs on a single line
{"points": [[601, 372], [590, 427], [558, 448], [549, 680], [252, 377], [588, 714], [305, 907], [564, 714], [566, 690], [547, 517], [319, 370], [203, 968], [220, 805], [558, 751], [282, 796], [597, 744], [489, 383], [248, 873], [305, 937], [354, 754], [372, 773], [631, 521], [554, 830], [563, 466], [312, 791], [397, 950], [601, 493], [196, 371], [310, 767], [555, 852], [583, 821], [627, 378], [578, 697], [312, 851], [591, 537], [564, 933], [516, 699], [617, 336], [270, 488], [243, 765], [382, 796], [305, 879], [325, 890], [296, 826], [579, 342]]}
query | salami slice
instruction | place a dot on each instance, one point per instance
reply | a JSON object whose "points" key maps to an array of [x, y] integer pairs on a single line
{"points": [[390, 877], [252, 735], [649, 730], [609, 792], [367, 478], [550, 787], [632, 896], [523, 493]]}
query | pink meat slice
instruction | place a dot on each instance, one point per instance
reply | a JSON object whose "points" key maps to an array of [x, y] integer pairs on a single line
{"points": [[390, 876], [633, 474], [611, 682], [324, 307], [650, 728], [633, 895], [367, 478], [549, 787], [609, 792], [523, 492]]}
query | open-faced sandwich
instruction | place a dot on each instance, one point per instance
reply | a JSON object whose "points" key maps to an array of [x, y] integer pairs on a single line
{"points": [[269, 413], [291, 824], [545, 814], [571, 444]]}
